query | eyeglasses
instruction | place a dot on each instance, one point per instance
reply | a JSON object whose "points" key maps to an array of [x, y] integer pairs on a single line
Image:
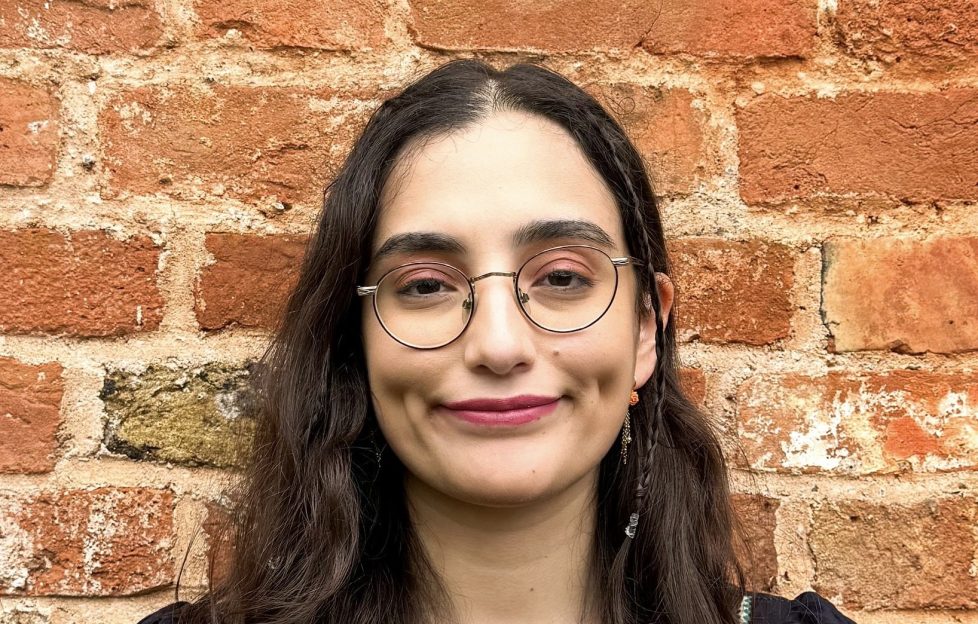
{"points": [[426, 305]]}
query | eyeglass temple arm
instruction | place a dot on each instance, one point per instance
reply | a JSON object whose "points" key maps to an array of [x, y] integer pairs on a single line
{"points": [[364, 291], [626, 260]]}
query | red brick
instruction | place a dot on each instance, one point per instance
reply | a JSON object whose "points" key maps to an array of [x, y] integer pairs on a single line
{"points": [[243, 142], [774, 28], [100, 542], [937, 35], [30, 400], [731, 291], [694, 384], [93, 26], [667, 130], [902, 295], [220, 536], [898, 146], [87, 284], [28, 133], [249, 281], [728, 28], [894, 556], [860, 423], [329, 25], [758, 521], [564, 26]]}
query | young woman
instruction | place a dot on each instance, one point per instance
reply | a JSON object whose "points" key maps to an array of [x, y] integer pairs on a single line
{"points": [[471, 411]]}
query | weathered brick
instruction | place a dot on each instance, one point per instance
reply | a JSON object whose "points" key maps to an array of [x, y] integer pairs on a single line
{"points": [[329, 25], [93, 26], [860, 423], [694, 384], [220, 537], [732, 291], [249, 280], [197, 416], [758, 520], [773, 28], [667, 130], [86, 284], [899, 146], [248, 143], [896, 556], [105, 541], [931, 34], [902, 295], [547, 26], [30, 400], [728, 28], [28, 133]]}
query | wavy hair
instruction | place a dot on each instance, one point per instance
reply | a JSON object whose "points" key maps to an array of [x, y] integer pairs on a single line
{"points": [[320, 528]]}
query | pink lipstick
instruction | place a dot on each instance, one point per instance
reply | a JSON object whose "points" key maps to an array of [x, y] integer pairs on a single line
{"points": [[509, 411]]}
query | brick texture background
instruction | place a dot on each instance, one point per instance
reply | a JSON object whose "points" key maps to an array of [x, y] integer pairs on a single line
{"points": [[817, 161]]}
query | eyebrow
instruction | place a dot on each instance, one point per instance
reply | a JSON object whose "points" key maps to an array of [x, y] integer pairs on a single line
{"points": [[534, 232]]}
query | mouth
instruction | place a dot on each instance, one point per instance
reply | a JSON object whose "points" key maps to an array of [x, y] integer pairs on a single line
{"points": [[508, 411]]}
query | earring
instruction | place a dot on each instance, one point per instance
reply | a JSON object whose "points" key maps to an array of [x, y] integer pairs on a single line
{"points": [[626, 431], [626, 438], [378, 450]]}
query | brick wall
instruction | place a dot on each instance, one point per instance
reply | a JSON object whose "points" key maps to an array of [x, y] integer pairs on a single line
{"points": [[160, 165]]}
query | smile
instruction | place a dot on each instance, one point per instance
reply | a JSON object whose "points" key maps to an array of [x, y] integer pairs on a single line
{"points": [[507, 412]]}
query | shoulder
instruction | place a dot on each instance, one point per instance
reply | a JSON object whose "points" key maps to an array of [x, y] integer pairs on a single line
{"points": [[167, 615], [806, 608]]}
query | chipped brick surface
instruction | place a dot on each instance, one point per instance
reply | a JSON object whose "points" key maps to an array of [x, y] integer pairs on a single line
{"points": [[86, 284], [860, 424], [730, 291], [760, 28], [105, 541], [92, 26], [547, 26], [329, 25], [702, 27], [28, 133], [248, 143], [896, 556], [667, 129], [30, 399], [931, 35], [249, 281], [758, 518], [902, 295], [196, 416], [912, 146]]}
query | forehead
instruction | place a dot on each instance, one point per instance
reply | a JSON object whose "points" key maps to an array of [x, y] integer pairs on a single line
{"points": [[481, 183]]}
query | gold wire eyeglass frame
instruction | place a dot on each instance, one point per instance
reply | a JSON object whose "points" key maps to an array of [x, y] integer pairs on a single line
{"points": [[521, 297]]}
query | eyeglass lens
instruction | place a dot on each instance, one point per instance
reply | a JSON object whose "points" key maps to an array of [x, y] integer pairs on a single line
{"points": [[563, 289]]}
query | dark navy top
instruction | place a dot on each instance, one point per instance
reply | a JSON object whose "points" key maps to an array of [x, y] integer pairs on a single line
{"points": [[758, 608]]}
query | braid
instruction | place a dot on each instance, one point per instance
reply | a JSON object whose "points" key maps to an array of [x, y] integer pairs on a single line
{"points": [[616, 142]]}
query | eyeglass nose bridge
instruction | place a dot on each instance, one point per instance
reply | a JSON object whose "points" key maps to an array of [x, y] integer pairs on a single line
{"points": [[521, 296]]}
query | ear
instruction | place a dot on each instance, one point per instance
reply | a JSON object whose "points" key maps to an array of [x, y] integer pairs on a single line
{"points": [[645, 355]]}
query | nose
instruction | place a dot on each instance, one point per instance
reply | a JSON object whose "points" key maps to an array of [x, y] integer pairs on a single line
{"points": [[499, 337]]}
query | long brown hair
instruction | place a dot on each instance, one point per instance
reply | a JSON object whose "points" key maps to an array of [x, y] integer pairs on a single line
{"points": [[321, 530]]}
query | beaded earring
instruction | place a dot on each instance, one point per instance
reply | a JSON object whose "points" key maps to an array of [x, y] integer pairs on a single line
{"points": [[626, 430]]}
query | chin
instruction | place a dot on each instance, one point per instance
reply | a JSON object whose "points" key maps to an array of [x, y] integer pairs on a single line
{"points": [[515, 492]]}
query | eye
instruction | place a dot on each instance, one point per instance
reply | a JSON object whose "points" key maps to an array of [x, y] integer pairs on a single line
{"points": [[425, 282], [563, 279], [422, 286]]}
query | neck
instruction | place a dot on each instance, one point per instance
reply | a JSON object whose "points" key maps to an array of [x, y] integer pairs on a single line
{"points": [[527, 564]]}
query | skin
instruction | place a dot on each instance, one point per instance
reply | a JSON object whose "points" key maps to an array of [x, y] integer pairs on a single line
{"points": [[506, 515]]}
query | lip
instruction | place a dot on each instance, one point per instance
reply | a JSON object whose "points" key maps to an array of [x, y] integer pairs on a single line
{"points": [[509, 411]]}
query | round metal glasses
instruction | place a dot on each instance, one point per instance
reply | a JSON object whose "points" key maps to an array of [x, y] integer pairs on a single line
{"points": [[427, 305]]}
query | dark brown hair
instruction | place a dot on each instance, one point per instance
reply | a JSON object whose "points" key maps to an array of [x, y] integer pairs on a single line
{"points": [[321, 533]]}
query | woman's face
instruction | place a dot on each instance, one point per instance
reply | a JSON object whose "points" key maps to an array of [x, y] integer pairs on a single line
{"points": [[479, 186]]}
